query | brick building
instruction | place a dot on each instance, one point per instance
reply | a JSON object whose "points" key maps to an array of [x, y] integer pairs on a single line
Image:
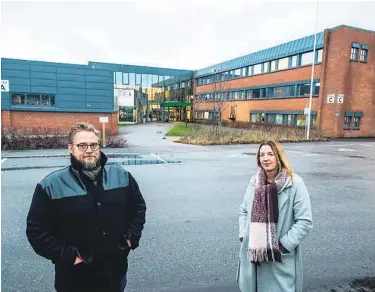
{"points": [[273, 85], [270, 86]]}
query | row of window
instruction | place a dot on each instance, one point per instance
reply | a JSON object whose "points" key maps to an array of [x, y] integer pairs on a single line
{"points": [[352, 122], [361, 50], [23, 99], [133, 79], [295, 90], [265, 67], [298, 120]]}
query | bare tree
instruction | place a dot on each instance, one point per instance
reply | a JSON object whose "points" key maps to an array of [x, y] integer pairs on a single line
{"points": [[219, 97]]}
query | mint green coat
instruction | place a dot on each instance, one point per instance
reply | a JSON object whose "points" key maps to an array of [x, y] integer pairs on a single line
{"points": [[295, 222]]}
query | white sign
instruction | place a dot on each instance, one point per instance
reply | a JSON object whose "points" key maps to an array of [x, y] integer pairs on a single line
{"points": [[103, 119], [330, 98], [306, 111], [5, 85], [340, 98], [337, 113]]}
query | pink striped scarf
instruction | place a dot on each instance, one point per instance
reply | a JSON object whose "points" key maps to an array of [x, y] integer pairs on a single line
{"points": [[263, 241]]}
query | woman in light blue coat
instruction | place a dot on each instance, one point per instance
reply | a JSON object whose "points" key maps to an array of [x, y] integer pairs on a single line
{"points": [[274, 218]]}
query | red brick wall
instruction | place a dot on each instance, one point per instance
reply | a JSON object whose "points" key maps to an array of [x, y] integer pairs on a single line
{"points": [[355, 80], [53, 120]]}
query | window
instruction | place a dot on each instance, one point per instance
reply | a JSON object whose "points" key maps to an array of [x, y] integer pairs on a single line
{"points": [[363, 57], [237, 95], [118, 78], [292, 90], [319, 56], [354, 54], [243, 94], [281, 91], [22, 99], [357, 122], [271, 118], [283, 64], [249, 94], [301, 120], [294, 61], [18, 99], [257, 69], [132, 79], [260, 92], [125, 78], [138, 79], [304, 89], [237, 73], [271, 92], [266, 67], [273, 65], [290, 120], [279, 119], [306, 58], [249, 70], [257, 118], [347, 122], [317, 88]]}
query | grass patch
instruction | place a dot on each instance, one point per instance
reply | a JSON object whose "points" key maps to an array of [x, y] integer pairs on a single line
{"points": [[226, 136], [180, 130]]}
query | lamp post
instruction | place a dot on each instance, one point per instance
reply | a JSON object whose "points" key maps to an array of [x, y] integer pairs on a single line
{"points": [[312, 75]]}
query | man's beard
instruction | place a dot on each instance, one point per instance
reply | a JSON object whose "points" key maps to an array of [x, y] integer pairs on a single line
{"points": [[90, 165]]}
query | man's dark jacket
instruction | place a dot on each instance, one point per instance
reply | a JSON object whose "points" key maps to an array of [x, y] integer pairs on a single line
{"points": [[72, 214]]}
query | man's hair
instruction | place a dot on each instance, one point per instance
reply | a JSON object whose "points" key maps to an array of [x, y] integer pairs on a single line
{"points": [[80, 127]]}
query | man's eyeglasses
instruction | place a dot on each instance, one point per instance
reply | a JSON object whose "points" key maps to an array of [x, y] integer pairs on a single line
{"points": [[84, 146]]}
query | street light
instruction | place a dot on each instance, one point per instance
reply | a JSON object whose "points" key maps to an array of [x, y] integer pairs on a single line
{"points": [[312, 74]]}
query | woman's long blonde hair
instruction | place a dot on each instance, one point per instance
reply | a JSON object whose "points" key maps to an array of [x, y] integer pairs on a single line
{"points": [[282, 161]]}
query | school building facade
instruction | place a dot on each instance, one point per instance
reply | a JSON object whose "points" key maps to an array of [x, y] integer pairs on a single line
{"points": [[270, 86]]}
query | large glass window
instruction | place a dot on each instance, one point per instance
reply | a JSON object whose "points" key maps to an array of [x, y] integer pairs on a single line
{"points": [[243, 72], [18, 99], [283, 64], [33, 100], [281, 91], [316, 88], [250, 71], [357, 122], [304, 89], [138, 79], [306, 58], [48, 100], [292, 90], [125, 78], [319, 57], [354, 54], [266, 67], [271, 118], [301, 120], [23, 99], [294, 61], [119, 78], [257, 69], [273, 65], [249, 93], [364, 54], [279, 119], [237, 73], [290, 120], [271, 92], [347, 122], [259, 92], [132, 79]]}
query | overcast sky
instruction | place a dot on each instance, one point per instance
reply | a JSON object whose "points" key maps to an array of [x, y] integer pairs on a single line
{"points": [[173, 34]]}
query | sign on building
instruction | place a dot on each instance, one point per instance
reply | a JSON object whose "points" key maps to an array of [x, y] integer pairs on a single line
{"points": [[5, 85], [330, 98], [340, 98]]}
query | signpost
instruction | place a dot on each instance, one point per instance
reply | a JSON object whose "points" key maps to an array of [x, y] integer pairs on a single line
{"points": [[103, 120]]}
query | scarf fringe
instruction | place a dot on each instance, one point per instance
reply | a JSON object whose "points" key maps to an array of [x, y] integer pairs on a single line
{"points": [[264, 255]]}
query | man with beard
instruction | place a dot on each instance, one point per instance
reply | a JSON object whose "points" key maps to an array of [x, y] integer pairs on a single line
{"points": [[86, 218]]}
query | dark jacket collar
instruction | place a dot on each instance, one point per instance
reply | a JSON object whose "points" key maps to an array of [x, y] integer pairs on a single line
{"points": [[78, 165]]}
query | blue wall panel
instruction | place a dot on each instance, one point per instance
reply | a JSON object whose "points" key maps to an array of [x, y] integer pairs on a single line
{"points": [[78, 91], [99, 92], [19, 88], [75, 71], [18, 81], [43, 75], [70, 84], [70, 77], [5, 100], [96, 85], [101, 79], [43, 89], [15, 66], [72, 104], [96, 98], [14, 73], [101, 105], [47, 69], [43, 82], [71, 97]]}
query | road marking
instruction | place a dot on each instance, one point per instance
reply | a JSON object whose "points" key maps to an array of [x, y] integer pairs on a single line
{"points": [[368, 145], [2, 160], [302, 153], [345, 149], [159, 158]]}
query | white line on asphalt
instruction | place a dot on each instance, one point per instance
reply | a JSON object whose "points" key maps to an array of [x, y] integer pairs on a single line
{"points": [[302, 153], [368, 145], [159, 158], [2, 160]]}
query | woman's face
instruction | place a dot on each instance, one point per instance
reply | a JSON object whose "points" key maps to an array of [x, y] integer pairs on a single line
{"points": [[267, 158]]}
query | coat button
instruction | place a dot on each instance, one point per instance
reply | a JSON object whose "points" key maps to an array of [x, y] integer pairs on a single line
{"points": [[103, 232], [98, 203]]}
